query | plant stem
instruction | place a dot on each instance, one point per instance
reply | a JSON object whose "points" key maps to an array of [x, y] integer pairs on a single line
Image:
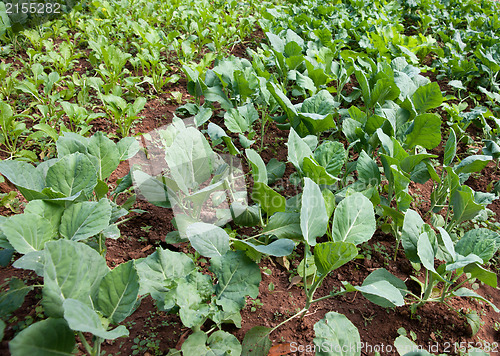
{"points": [[85, 343], [443, 294], [262, 130], [428, 289], [310, 295], [287, 320], [460, 284], [97, 346], [306, 253], [398, 240], [331, 295]]}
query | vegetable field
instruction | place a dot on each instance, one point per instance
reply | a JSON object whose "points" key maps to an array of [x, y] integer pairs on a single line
{"points": [[249, 178]]}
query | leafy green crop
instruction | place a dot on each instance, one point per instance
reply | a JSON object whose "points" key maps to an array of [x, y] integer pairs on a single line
{"points": [[66, 194], [80, 294]]}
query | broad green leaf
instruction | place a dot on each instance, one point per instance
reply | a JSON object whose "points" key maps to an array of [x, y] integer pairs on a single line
{"points": [[238, 277], [317, 173], [450, 149], [256, 342], [284, 225], [45, 338], [341, 336], [13, 298], [409, 163], [244, 141], [321, 103], [425, 131], [101, 189], [278, 248], [332, 156], [331, 255], [208, 239], [354, 220], [33, 261], [118, 292], [382, 290], [127, 148], [462, 261], [484, 275], [406, 347], [222, 342], [270, 201], [83, 220], [107, 154], [28, 232], [239, 120], [258, 166], [158, 271], [81, 317], [380, 298], [472, 164], [71, 142], [464, 206], [364, 84], [190, 159], [313, 218], [465, 292], [193, 309], [6, 254], [457, 84], [412, 227], [400, 180], [275, 170], [71, 270], [405, 84], [314, 124], [357, 114], [447, 242], [427, 97], [217, 94], [276, 42], [375, 122], [235, 122], [474, 321], [481, 242], [244, 215], [368, 171], [204, 114], [425, 252], [25, 177], [305, 83], [384, 89], [307, 267], [71, 174], [151, 189], [283, 101], [46, 209], [330, 202], [491, 148], [219, 343], [297, 149]]}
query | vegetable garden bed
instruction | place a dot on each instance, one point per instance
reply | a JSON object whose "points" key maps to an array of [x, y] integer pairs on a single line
{"points": [[224, 178]]}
